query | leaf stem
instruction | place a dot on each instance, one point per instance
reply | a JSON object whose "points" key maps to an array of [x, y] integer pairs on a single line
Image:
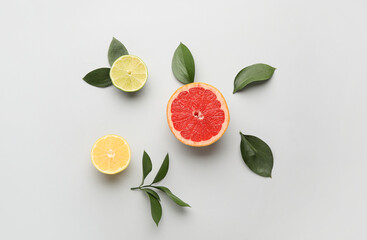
{"points": [[140, 187]]}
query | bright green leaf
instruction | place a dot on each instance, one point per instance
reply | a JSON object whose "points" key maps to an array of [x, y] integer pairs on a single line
{"points": [[253, 73], [183, 65], [99, 77], [257, 155]]}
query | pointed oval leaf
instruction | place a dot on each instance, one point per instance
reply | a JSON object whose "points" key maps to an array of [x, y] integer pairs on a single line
{"points": [[177, 200], [150, 191], [99, 77], [147, 166], [116, 50], [155, 208], [257, 155], [162, 171], [183, 65], [253, 73]]}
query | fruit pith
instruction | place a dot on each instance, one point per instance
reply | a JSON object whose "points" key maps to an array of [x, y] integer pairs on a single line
{"points": [[197, 114]]}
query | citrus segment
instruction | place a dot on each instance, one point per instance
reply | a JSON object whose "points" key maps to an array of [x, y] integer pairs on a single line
{"points": [[110, 154], [197, 114], [129, 73]]}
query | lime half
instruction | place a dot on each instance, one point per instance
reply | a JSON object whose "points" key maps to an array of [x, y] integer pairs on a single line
{"points": [[129, 73]]}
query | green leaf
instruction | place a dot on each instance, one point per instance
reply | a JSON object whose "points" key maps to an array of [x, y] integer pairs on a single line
{"points": [[99, 77], [253, 73], [162, 171], [183, 65], [155, 208], [150, 191], [116, 50], [172, 196], [257, 155], [147, 166]]}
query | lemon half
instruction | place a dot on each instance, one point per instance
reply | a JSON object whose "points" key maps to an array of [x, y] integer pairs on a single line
{"points": [[111, 154]]}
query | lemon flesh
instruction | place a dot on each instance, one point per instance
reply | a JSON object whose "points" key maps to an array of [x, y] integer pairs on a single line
{"points": [[111, 154], [129, 73]]}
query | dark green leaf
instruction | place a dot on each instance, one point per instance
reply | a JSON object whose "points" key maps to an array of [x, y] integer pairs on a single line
{"points": [[99, 77], [116, 50], [253, 73], [162, 171], [147, 166], [150, 191], [155, 208], [183, 65], [257, 155], [172, 196]]}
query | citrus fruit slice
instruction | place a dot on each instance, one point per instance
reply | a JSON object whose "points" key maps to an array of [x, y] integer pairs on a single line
{"points": [[110, 154], [197, 114], [129, 73]]}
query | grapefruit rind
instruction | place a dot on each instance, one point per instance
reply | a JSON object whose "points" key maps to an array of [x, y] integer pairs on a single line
{"points": [[224, 107]]}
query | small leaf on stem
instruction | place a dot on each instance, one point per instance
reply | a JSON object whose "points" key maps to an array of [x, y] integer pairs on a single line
{"points": [[150, 191], [155, 208], [147, 166], [163, 170], [172, 196]]}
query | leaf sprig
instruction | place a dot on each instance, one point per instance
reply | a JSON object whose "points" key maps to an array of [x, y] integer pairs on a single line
{"points": [[100, 77], [155, 205]]}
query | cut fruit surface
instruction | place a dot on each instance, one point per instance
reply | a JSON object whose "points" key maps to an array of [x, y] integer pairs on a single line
{"points": [[111, 154], [197, 114], [129, 73]]}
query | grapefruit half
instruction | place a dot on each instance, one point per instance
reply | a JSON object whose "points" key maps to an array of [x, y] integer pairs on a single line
{"points": [[197, 114]]}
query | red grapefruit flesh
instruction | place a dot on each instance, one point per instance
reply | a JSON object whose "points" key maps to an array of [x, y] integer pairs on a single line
{"points": [[197, 114]]}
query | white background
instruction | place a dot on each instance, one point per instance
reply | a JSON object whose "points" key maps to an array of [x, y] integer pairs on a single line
{"points": [[312, 113]]}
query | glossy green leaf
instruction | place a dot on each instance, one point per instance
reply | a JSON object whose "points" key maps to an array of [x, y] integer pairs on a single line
{"points": [[257, 155], [155, 208], [150, 191], [172, 196], [116, 50], [162, 171], [253, 73], [183, 65], [99, 77], [147, 166]]}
